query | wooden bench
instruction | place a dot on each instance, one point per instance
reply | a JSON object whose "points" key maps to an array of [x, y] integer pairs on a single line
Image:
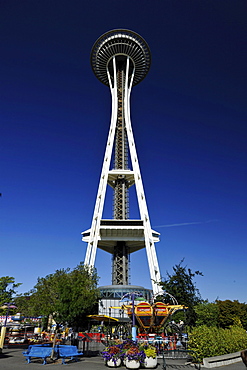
{"points": [[38, 351], [180, 358], [68, 351]]}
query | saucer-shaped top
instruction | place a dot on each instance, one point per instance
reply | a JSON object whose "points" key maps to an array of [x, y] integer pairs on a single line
{"points": [[118, 43]]}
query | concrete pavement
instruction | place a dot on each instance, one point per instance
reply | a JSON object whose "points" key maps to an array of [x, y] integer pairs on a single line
{"points": [[13, 359]]}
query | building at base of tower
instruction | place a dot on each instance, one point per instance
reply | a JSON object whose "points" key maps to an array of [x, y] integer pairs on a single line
{"points": [[111, 302]]}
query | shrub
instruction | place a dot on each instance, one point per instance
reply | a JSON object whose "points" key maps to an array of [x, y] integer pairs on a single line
{"points": [[212, 341]]}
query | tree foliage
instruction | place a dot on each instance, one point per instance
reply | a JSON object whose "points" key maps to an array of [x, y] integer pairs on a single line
{"points": [[7, 289], [181, 285], [223, 314], [232, 313], [207, 314], [66, 295]]}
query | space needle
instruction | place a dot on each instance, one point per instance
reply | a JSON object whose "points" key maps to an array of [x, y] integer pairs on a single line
{"points": [[121, 59]]}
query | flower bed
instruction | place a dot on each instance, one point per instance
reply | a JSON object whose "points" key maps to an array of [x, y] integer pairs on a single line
{"points": [[113, 353], [129, 353]]}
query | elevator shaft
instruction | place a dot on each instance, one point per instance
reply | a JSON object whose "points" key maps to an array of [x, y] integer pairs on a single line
{"points": [[120, 257]]}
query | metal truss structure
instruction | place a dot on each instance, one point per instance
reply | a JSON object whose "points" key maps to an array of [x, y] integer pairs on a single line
{"points": [[121, 59]]}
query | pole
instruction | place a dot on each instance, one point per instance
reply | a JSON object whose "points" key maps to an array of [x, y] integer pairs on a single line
{"points": [[133, 318], [132, 297], [3, 330]]}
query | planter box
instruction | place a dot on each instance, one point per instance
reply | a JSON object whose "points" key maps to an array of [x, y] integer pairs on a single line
{"points": [[132, 364], [150, 363]]}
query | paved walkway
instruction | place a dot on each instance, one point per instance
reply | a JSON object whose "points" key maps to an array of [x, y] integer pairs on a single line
{"points": [[13, 359]]}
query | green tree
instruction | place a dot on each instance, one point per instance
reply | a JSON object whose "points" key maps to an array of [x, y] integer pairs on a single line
{"points": [[232, 313], [207, 314], [180, 284], [243, 314], [7, 289], [222, 314], [69, 296], [22, 301]]}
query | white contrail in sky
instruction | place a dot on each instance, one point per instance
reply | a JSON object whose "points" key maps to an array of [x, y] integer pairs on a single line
{"points": [[188, 223]]}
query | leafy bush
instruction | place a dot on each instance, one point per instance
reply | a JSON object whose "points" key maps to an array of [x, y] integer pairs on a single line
{"points": [[211, 341], [150, 351]]}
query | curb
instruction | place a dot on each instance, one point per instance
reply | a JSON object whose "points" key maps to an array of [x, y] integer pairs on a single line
{"points": [[216, 361]]}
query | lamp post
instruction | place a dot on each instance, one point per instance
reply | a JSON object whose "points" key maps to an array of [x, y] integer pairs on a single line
{"points": [[3, 330], [132, 296]]}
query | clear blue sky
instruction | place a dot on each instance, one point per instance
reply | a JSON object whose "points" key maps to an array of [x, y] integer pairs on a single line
{"points": [[189, 120]]}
